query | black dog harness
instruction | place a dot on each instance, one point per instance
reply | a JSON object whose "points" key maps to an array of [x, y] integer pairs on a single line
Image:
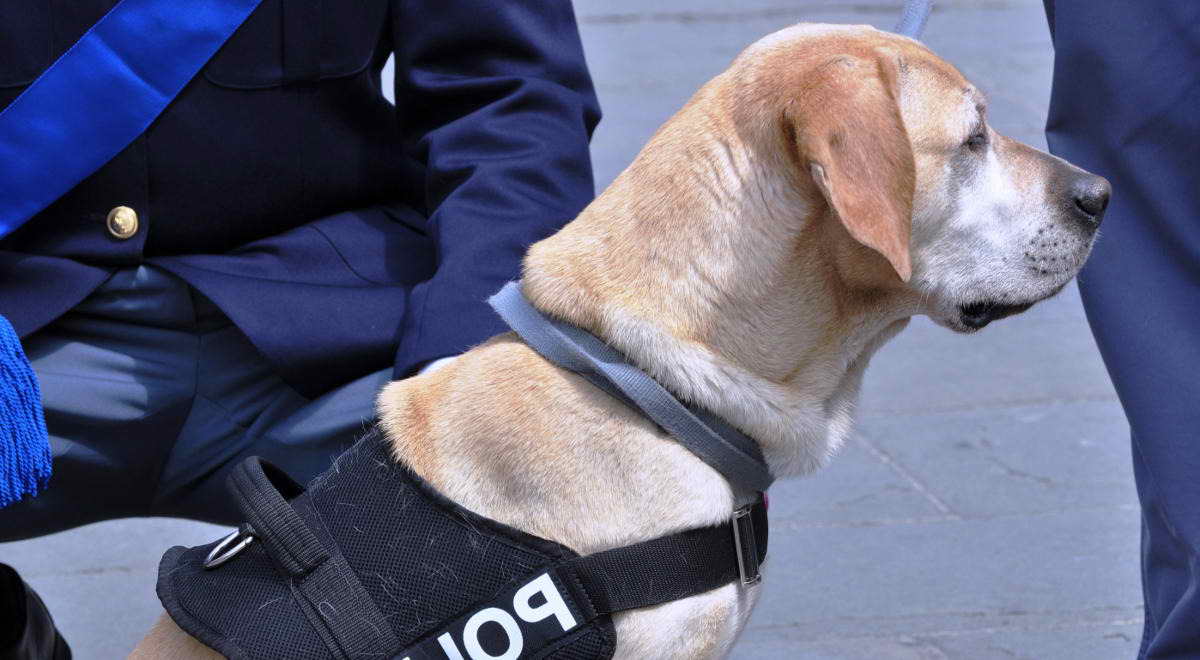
{"points": [[371, 561]]}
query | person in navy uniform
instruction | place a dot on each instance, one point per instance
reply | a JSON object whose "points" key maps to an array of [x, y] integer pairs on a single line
{"points": [[1126, 104], [282, 240]]}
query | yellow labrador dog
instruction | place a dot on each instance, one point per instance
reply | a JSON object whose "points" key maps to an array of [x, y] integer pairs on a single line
{"points": [[785, 224]]}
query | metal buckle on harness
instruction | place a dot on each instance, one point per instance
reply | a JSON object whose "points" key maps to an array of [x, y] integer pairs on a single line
{"points": [[746, 546], [229, 547]]}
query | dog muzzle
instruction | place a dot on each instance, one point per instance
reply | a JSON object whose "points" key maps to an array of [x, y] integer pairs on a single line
{"points": [[371, 561]]}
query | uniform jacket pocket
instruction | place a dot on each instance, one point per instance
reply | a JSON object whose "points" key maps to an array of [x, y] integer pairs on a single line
{"points": [[289, 41]]}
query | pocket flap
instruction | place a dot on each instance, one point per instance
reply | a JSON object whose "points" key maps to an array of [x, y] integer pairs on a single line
{"points": [[286, 41]]}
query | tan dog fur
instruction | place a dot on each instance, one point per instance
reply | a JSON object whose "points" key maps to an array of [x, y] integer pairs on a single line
{"points": [[770, 237]]}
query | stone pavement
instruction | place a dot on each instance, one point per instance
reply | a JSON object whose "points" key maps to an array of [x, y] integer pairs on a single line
{"points": [[986, 508]]}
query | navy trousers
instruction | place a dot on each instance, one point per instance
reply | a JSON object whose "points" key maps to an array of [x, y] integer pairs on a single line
{"points": [[1126, 105], [152, 395]]}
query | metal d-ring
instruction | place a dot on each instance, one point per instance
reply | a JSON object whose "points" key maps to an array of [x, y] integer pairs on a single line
{"points": [[228, 548]]}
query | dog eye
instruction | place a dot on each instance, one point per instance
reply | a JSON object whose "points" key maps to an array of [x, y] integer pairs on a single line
{"points": [[977, 142]]}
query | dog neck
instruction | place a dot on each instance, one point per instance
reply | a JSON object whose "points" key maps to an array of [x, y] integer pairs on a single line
{"points": [[726, 282]]}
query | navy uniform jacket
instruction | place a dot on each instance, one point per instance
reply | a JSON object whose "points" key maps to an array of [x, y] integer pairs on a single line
{"points": [[340, 233]]}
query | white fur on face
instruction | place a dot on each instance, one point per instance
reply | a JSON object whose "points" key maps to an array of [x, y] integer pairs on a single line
{"points": [[990, 233]]}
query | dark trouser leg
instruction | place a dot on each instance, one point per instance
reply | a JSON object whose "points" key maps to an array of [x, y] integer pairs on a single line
{"points": [[152, 396], [1124, 105], [116, 376], [243, 409]]}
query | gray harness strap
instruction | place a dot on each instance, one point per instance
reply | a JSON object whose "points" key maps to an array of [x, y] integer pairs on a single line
{"points": [[718, 444]]}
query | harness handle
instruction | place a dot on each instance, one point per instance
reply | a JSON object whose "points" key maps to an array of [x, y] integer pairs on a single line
{"points": [[262, 492], [327, 590]]}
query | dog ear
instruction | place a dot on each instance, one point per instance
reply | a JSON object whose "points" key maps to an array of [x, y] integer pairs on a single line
{"points": [[851, 138]]}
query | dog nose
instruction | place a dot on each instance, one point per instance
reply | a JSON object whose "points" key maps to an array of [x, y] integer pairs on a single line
{"points": [[1091, 198]]}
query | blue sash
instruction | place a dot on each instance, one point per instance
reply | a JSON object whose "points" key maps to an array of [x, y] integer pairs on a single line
{"points": [[80, 113], [102, 94]]}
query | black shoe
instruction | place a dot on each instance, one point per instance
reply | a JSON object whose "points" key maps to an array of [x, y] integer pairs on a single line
{"points": [[26, 630]]}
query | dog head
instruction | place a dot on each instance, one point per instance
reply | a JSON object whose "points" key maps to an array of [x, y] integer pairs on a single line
{"points": [[977, 226], [795, 213]]}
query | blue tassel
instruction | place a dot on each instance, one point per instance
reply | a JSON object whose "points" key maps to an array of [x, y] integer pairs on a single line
{"points": [[24, 442]]}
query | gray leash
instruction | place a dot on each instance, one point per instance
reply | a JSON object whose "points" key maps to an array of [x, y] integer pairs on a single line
{"points": [[913, 18], [718, 444]]}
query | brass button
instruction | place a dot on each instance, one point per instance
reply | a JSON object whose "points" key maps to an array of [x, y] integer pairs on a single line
{"points": [[122, 222]]}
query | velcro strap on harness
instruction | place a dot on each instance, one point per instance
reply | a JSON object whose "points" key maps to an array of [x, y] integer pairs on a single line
{"points": [[672, 567]]}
